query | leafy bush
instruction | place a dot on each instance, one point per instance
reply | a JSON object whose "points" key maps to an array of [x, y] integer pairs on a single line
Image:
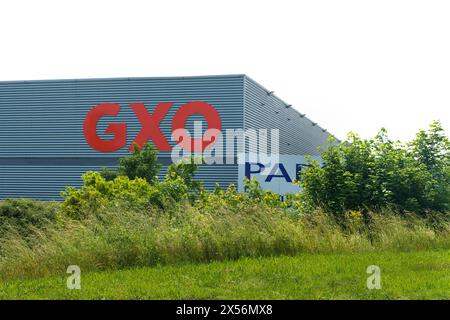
{"points": [[372, 174], [142, 163], [22, 215], [135, 183], [184, 170], [253, 195], [97, 192]]}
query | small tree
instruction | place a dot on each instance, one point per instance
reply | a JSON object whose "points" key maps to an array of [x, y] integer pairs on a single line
{"points": [[185, 170], [371, 174], [432, 149], [142, 163]]}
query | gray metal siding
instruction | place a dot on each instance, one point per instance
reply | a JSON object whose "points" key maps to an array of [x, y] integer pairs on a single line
{"points": [[42, 147], [39, 182], [263, 110], [46, 182]]}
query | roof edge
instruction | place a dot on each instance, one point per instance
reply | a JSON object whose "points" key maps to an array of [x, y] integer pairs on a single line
{"points": [[285, 103], [125, 78]]}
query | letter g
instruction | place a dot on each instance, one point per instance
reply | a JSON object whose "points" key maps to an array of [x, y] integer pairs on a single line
{"points": [[119, 130]]}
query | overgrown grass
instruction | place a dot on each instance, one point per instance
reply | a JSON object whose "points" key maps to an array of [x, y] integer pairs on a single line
{"points": [[412, 275], [22, 215], [117, 237]]}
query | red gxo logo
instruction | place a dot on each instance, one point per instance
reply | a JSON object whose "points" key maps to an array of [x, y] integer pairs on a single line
{"points": [[150, 126]]}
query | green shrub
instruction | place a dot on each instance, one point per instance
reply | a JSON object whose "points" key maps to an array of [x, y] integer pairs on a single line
{"points": [[184, 171], [374, 174], [252, 195], [137, 193], [97, 192], [142, 163]]}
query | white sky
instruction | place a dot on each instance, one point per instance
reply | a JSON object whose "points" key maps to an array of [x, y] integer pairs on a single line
{"points": [[349, 65]]}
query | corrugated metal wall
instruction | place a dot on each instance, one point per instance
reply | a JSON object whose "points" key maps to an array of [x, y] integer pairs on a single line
{"points": [[263, 110], [42, 147], [43, 150]]}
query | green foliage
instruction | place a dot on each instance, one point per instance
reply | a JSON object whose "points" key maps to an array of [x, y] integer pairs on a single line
{"points": [[184, 170], [142, 163], [108, 174], [254, 192], [97, 192], [432, 148], [22, 215], [253, 195], [100, 189], [169, 193], [134, 183], [372, 174]]}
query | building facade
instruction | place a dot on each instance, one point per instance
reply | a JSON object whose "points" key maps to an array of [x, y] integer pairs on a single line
{"points": [[53, 131]]}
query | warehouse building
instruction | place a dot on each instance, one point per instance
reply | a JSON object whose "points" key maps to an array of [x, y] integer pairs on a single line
{"points": [[53, 131]]}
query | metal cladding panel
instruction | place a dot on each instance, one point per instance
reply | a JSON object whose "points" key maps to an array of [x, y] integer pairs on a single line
{"points": [[263, 110], [39, 182], [42, 146], [46, 182]]}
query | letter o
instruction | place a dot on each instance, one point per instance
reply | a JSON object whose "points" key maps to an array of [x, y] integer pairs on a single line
{"points": [[191, 108]]}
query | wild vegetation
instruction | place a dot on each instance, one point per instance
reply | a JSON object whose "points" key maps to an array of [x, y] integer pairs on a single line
{"points": [[380, 173], [367, 196]]}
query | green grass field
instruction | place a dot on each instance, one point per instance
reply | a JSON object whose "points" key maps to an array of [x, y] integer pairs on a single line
{"points": [[413, 275]]}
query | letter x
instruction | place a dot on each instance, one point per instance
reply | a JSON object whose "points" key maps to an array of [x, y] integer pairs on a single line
{"points": [[150, 125]]}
